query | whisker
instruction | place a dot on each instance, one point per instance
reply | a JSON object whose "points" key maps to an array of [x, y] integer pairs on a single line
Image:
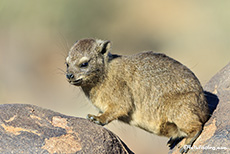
{"points": [[64, 43], [61, 70], [60, 73]]}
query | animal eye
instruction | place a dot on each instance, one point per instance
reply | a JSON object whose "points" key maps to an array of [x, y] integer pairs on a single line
{"points": [[84, 64]]}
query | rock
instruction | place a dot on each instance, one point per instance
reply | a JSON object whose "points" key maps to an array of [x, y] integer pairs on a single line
{"points": [[215, 137], [31, 129]]}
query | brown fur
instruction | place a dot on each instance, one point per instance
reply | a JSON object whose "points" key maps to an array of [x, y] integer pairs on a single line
{"points": [[148, 90]]}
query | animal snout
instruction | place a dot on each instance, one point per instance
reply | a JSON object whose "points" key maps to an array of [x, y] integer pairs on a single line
{"points": [[69, 76]]}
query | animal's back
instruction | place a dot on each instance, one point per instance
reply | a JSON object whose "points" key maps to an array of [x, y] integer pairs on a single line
{"points": [[156, 74]]}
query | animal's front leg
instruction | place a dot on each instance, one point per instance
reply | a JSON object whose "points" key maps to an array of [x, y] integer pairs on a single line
{"points": [[109, 115]]}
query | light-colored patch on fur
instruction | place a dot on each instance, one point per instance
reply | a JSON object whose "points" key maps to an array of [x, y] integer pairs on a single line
{"points": [[181, 133], [99, 42], [83, 60], [67, 59]]}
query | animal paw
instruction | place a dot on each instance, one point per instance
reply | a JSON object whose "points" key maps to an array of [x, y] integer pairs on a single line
{"points": [[173, 142], [95, 119]]}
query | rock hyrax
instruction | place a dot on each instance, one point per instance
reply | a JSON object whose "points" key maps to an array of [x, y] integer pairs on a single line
{"points": [[148, 90]]}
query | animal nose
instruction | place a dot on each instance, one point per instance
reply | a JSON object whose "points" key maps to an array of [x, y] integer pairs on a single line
{"points": [[69, 76]]}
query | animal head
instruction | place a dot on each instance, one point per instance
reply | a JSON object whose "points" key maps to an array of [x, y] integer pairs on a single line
{"points": [[86, 61]]}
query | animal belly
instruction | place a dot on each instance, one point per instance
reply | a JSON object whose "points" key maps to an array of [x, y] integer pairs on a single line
{"points": [[145, 122]]}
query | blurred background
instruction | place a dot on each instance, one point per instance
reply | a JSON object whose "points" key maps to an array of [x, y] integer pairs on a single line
{"points": [[35, 37]]}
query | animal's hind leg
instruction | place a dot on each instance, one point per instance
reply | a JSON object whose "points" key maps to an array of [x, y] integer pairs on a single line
{"points": [[171, 130], [192, 128], [189, 141], [189, 119]]}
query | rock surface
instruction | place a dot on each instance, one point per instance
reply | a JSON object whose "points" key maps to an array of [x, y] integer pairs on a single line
{"points": [[27, 128], [215, 137]]}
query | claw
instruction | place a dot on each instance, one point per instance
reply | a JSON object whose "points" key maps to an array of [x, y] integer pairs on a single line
{"points": [[94, 119], [173, 142]]}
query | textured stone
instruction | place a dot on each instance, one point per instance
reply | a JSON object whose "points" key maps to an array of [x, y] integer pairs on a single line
{"points": [[27, 128]]}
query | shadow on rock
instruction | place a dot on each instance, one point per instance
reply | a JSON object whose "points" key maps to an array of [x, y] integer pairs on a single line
{"points": [[212, 100]]}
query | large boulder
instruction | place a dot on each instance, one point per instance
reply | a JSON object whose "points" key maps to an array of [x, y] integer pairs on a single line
{"points": [[27, 128]]}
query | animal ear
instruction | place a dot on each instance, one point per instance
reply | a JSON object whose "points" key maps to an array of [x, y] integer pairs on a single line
{"points": [[104, 46]]}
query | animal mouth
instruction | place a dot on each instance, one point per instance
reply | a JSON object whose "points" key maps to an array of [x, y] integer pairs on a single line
{"points": [[77, 82]]}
